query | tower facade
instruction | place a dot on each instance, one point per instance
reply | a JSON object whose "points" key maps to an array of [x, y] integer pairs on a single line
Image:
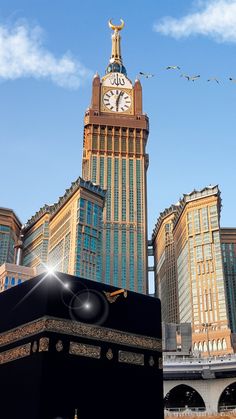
{"points": [[165, 265], [189, 234], [66, 236], [201, 286], [228, 245], [114, 156]]}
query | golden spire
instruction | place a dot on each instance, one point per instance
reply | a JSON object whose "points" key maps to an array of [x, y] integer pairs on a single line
{"points": [[116, 50], [76, 416]]}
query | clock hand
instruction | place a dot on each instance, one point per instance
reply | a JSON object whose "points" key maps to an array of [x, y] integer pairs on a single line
{"points": [[117, 101]]}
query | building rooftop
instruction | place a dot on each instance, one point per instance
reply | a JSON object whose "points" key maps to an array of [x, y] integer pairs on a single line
{"points": [[10, 211], [195, 194], [13, 268], [179, 206], [172, 209], [54, 208]]}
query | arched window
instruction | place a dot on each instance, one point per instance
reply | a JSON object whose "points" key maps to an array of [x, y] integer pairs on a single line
{"points": [[181, 396], [224, 345], [214, 345], [219, 346], [227, 397], [210, 345], [200, 346], [204, 347]]}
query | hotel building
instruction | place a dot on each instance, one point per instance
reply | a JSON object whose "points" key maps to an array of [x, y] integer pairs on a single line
{"points": [[66, 236], [201, 294], [165, 265]]}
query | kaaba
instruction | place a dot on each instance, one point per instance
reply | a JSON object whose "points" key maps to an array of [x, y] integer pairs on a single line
{"points": [[68, 343]]}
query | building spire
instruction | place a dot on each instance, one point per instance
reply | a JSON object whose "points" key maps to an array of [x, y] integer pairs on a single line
{"points": [[116, 64]]}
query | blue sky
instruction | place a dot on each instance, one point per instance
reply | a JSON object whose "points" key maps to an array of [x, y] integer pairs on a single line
{"points": [[49, 52]]}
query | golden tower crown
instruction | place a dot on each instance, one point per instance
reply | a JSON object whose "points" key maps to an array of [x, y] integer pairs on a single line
{"points": [[116, 64]]}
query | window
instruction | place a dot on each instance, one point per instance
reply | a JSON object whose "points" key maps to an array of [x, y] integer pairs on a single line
{"points": [[199, 255], [207, 251], [196, 221], [167, 227], [205, 225], [214, 216]]}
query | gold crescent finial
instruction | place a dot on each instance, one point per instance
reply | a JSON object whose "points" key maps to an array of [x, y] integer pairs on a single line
{"points": [[116, 27]]}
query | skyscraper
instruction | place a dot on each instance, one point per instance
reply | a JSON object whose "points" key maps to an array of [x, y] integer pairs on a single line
{"points": [[114, 156], [165, 265], [10, 227], [196, 251], [67, 235], [228, 245]]}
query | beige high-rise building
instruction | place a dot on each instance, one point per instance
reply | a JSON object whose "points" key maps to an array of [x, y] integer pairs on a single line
{"points": [[36, 237], [201, 295], [165, 265], [66, 236]]}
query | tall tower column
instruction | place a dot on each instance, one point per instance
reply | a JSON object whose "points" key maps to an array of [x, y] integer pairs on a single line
{"points": [[114, 156]]}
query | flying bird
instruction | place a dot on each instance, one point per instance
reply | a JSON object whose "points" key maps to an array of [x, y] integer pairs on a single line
{"points": [[233, 80], [146, 75], [214, 79], [173, 67], [193, 78]]}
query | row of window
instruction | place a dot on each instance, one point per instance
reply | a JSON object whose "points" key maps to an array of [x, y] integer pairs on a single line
{"points": [[12, 281], [4, 228], [117, 131], [202, 219], [117, 144], [211, 345]]}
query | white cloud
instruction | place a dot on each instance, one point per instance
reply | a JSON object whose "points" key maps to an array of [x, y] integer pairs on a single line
{"points": [[215, 18], [22, 54]]}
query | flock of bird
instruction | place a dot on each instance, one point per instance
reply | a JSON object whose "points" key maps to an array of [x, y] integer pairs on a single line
{"points": [[186, 76]]}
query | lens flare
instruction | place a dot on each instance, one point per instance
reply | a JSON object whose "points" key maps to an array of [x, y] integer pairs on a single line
{"points": [[89, 306]]}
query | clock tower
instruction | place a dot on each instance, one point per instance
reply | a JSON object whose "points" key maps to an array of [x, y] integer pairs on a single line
{"points": [[114, 156]]}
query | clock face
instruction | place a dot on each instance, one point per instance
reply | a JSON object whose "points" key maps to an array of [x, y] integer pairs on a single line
{"points": [[117, 100]]}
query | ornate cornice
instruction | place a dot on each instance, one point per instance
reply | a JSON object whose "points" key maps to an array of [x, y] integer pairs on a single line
{"points": [[168, 211], [82, 330]]}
